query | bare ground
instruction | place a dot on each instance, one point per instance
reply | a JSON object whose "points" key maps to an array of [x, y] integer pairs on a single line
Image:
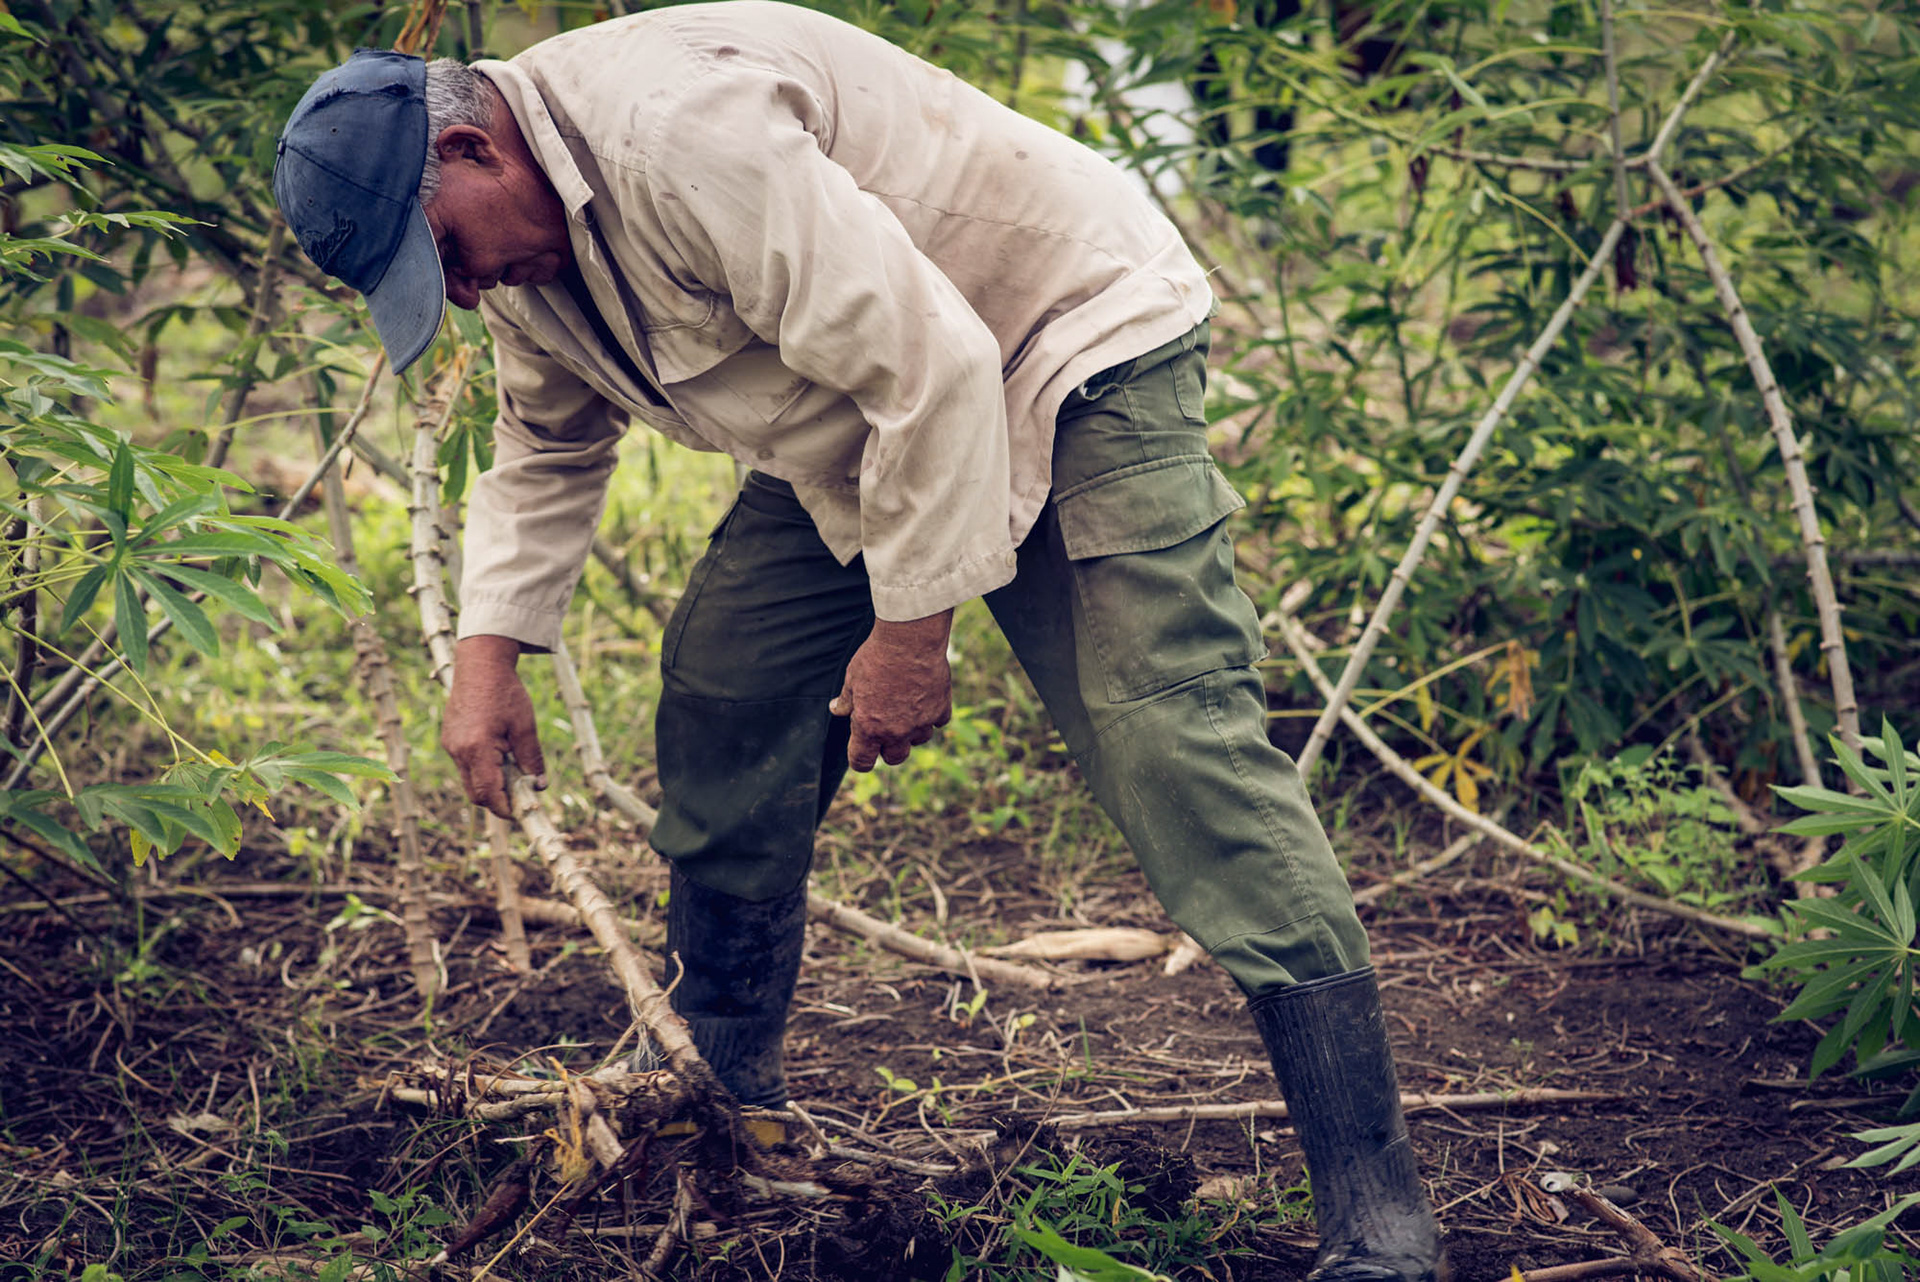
{"points": [[191, 1085]]}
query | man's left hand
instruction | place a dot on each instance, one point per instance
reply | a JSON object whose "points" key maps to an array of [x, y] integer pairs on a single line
{"points": [[898, 690]]}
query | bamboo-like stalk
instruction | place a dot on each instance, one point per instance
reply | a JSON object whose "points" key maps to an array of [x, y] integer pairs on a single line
{"points": [[586, 739], [1410, 1102], [1456, 475], [647, 1000], [1291, 631], [429, 534], [265, 288], [64, 700], [1476, 442], [1790, 698], [375, 671], [1813, 542], [1611, 56], [506, 895], [428, 552], [953, 960]]}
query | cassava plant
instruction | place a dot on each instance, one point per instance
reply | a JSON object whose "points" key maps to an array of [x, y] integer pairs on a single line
{"points": [[106, 545], [1856, 955]]}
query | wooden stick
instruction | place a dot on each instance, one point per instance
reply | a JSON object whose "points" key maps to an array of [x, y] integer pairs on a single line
{"points": [[506, 895], [952, 960], [1291, 631], [645, 998], [375, 671], [1407, 876], [1410, 1101], [1833, 642], [423, 505], [1476, 442], [1649, 1257], [1790, 698], [265, 288], [586, 738]]}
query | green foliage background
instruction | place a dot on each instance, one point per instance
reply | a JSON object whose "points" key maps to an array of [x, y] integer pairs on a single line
{"points": [[1393, 200]]}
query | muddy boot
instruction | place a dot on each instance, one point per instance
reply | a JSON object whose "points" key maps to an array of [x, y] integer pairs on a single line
{"points": [[741, 959], [1328, 1043]]}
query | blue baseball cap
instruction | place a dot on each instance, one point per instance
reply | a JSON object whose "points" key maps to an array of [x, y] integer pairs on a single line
{"points": [[347, 176]]}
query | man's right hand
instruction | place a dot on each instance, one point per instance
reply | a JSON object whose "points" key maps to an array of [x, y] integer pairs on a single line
{"points": [[489, 721]]}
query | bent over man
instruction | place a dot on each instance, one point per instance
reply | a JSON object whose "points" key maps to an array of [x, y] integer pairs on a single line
{"points": [[963, 356]]}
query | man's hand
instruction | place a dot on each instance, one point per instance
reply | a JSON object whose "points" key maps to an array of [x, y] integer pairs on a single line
{"points": [[898, 690], [489, 721]]}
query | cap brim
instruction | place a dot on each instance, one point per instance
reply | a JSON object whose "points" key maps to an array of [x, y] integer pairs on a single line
{"points": [[411, 299]]}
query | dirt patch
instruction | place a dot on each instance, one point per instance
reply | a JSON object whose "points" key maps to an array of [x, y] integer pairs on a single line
{"points": [[228, 1053]]}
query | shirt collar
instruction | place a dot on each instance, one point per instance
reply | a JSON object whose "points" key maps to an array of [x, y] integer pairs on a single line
{"points": [[542, 135]]}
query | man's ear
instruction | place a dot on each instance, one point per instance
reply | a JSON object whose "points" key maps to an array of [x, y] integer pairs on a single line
{"points": [[468, 142]]}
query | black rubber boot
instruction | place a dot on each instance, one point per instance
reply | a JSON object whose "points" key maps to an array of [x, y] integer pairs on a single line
{"points": [[741, 957], [1328, 1043]]}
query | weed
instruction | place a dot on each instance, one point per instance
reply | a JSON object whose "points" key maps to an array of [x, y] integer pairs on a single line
{"points": [[1856, 1254], [1094, 1220], [1643, 816]]}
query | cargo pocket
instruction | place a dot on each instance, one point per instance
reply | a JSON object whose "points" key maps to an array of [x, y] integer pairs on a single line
{"points": [[1153, 566]]}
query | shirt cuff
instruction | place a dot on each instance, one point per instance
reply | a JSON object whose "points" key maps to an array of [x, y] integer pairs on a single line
{"points": [[899, 600], [537, 631]]}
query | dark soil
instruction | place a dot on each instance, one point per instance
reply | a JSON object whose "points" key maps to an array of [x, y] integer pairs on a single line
{"points": [[220, 1053]]}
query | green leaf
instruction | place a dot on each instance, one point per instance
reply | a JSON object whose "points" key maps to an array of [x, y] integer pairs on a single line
{"points": [[189, 618], [1085, 1262], [130, 616], [1793, 1228], [1896, 758], [238, 596], [81, 599], [120, 480]]}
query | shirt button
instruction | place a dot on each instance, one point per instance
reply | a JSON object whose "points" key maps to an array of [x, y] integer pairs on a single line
{"points": [[764, 453]]}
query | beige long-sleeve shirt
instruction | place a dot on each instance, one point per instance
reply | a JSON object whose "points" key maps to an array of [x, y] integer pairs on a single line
{"points": [[819, 254]]}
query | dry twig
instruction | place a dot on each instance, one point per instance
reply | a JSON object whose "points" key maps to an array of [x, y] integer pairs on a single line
{"points": [[1649, 1258], [894, 939], [1410, 1101]]}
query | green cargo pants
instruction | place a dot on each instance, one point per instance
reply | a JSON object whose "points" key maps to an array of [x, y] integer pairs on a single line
{"points": [[1124, 614]]}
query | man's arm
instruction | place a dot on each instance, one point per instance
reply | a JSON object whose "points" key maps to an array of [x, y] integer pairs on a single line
{"points": [[529, 524]]}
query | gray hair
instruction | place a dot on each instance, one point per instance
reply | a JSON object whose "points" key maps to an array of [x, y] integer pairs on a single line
{"points": [[456, 95]]}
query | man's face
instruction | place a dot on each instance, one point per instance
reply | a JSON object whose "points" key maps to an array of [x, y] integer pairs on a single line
{"points": [[496, 222]]}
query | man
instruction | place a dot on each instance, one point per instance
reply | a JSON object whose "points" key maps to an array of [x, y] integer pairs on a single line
{"points": [[964, 357]]}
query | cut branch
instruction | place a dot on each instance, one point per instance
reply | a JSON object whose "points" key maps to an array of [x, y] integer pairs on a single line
{"points": [[1393, 761], [586, 738], [375, 671], [429, 535], [953, 960], [1410, 1101], [1826, 603]]}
